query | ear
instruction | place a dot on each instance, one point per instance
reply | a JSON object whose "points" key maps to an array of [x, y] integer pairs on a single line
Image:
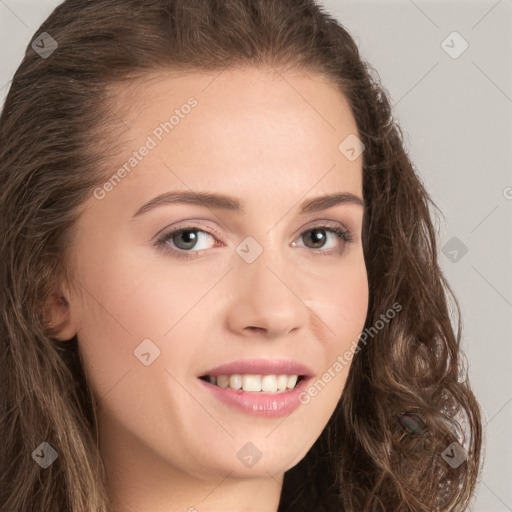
{"points": [[58, 318]]}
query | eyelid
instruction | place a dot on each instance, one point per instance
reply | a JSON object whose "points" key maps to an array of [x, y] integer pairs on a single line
{"points": [[186, 225], [326, 223]]}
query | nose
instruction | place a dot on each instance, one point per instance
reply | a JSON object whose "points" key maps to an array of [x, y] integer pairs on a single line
{"points": [[266, 298]]}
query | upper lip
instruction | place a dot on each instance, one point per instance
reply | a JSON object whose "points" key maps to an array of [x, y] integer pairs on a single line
{"points": [[261, 366]]}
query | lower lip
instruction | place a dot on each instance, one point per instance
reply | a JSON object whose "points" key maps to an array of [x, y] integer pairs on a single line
{"points": [[266, 405]]}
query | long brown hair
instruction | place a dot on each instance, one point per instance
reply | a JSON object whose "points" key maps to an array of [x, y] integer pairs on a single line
{"points": [[55, 136]]}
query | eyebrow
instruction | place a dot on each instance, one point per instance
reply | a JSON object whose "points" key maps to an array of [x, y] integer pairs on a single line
{"points": [[231, 203]]}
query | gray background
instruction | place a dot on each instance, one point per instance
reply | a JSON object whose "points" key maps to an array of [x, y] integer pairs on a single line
{"points": [[456, 117]]}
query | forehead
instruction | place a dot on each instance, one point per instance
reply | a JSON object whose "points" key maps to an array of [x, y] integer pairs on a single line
{"points": [[247, 94], [251, 123], [260, 84]]}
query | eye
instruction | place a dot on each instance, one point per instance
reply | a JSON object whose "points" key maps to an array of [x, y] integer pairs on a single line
{"points": [[186, 239], [317, 236]]}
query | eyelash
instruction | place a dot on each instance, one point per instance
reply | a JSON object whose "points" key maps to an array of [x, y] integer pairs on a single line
{"points": [[343, 233]]}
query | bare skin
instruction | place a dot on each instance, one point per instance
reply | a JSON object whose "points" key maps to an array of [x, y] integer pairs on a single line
{"points": [[271, 141]]}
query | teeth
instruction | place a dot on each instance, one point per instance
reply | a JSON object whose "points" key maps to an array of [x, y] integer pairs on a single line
{"points": [[256, 383]]}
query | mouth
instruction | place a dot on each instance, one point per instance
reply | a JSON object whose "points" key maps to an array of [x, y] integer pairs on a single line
{"points": [[263, 395], [255, 383]]}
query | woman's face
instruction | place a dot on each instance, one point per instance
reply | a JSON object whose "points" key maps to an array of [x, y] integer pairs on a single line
{"points": [[250, 284]]}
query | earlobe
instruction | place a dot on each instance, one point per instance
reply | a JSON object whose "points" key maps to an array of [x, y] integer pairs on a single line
{"points": [[59, 323]]}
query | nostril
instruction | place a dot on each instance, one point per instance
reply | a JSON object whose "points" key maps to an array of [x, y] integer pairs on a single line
{"points": [[254, 328]]}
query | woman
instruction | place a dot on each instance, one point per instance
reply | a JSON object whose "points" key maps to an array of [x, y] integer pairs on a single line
{"points": [[303, 360]]}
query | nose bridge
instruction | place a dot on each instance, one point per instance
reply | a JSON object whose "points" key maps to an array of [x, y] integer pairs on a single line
{"points": [[261, 272], [268, 258], [265, 297]]}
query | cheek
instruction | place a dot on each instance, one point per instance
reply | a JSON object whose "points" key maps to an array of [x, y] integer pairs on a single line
{"points": [[342, 304], [123, 304], [340, 310]]}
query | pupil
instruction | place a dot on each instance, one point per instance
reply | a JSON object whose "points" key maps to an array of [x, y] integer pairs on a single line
{"points": [[318, 236], [190, 239]]}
